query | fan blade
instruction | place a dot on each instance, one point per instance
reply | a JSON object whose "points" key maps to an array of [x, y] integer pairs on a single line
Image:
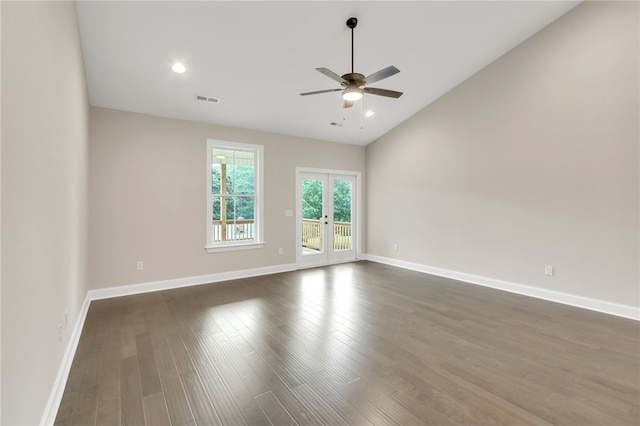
{"points": [[347, 104], [332, 75], [320, 91], [382, 92], [383, 73]]}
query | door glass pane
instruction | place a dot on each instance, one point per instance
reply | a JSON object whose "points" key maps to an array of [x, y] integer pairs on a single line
{"points": [[342, 191], [312, 220]]}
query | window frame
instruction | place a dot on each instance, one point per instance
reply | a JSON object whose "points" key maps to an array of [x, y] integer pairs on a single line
{"points": [[258, 241]]}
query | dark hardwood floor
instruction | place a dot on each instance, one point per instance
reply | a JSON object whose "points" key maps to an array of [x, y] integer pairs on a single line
{"points": [[360, 344]]}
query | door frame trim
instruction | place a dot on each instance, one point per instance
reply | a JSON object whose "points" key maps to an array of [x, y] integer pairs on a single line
{"points": [[358, 207]]}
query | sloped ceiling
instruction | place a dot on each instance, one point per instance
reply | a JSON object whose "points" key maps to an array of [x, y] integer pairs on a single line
{"points": [[258, 56]]}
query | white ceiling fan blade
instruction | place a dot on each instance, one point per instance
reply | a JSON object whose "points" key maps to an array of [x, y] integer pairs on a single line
{"points": [[382, 74]]}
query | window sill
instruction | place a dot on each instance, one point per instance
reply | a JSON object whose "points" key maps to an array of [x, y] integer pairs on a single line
{"points": [[233, 247]]}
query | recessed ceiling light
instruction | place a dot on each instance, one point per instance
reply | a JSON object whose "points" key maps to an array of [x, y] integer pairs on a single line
{"points": [[179, 68], [369, 114]]}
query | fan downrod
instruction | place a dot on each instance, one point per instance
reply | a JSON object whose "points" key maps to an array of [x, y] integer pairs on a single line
{"points": [[351, 23]]}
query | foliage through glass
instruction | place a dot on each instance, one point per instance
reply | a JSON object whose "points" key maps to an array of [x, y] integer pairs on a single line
{"points": [[239, 185]]}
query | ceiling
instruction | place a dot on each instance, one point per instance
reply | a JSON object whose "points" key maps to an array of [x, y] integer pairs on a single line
{"points": [[256, 57]]}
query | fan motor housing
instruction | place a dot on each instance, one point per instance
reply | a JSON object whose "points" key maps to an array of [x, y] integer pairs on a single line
{"points": [[354, 78]]}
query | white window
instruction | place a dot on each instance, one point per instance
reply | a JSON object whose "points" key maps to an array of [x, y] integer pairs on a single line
{"points": [[234, 196]]}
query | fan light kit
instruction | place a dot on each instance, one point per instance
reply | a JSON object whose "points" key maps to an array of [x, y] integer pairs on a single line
{"points": [[352, 94], [354, 85]]}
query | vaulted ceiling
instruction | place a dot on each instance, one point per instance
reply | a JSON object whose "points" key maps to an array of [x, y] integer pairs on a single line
{"points": [[256, 57]]}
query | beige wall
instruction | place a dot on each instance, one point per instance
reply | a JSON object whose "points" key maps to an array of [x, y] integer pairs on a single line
{"points": [[148, 196], [44, 203], [531, 162]]}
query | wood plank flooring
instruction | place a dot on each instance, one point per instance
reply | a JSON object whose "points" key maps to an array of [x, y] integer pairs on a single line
{"points": [[358, 344]]}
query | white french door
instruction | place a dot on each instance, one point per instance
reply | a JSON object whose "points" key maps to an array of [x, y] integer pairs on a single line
{"points": [[327, 228]]}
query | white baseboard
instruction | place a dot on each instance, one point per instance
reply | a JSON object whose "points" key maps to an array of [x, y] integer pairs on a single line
{"points": [[603, 306], [126, 290], [53, 403], [55, 397]]}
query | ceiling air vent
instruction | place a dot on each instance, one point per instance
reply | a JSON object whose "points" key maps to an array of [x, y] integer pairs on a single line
{"points": [[209, 99]]}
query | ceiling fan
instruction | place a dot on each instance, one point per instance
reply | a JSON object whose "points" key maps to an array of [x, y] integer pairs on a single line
{"points": [[354, 85]]}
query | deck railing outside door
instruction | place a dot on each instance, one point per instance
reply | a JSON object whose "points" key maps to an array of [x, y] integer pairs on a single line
{"points": [[312, 233]]}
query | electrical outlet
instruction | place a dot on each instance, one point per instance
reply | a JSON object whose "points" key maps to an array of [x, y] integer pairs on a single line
{"points": [[66, 319], [280, 251], [59, 333], [395, 247], [140, 265], [548, 270]]}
